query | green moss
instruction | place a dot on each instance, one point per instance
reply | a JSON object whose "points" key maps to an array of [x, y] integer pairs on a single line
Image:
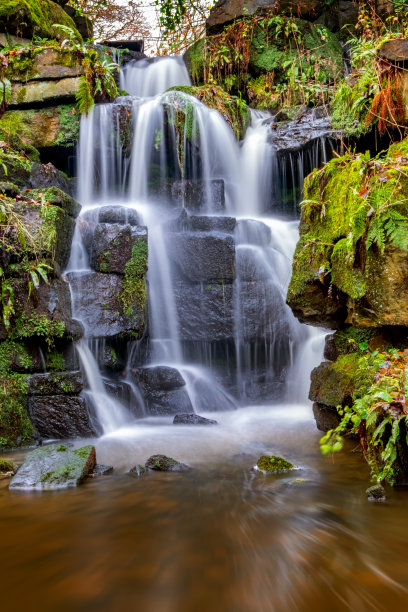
{"points": [[55, 361], [15, 426], [34, 17], [6, 465], [195, 60], [134, 283], [71, 469], [37, 326], [13, 354], [14, 167], [68, 134], [273, 463]]}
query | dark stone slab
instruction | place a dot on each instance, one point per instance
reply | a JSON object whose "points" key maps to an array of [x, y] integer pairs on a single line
{"points": [[55, 383], [112, 246], [192, 419], [60, 416], [202, 257]]}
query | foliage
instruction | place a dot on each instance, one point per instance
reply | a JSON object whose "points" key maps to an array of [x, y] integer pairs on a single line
{"points": [[182, 23], [378, 415], [112, 19]]}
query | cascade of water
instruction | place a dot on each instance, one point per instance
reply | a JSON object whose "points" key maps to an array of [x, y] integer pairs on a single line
{"points": [[150, 77], [169, 140]]}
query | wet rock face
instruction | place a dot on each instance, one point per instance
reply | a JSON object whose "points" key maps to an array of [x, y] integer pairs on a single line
{"points": [[161, 463], [202, 256], [163, 390], [54, 467], [118, 214], [52, 383], [101, 309], [60, 416], [112, 246], [333, 384], [326, 417], [193, 195]]}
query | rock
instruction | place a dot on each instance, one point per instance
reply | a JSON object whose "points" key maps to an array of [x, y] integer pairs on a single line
{"points": [[50, 228], [58, 197], [47, 175], [192, 194], [102, 309], [55, 383], [164, 403], [202, 257], [119, 214], [54, 467], [22, 18], [205, 310], [273, 463], [376, 493], [161, 463], [60, 416], [305, 131], [44, 127], [138, 470], [326, 417], [47, 318], [203, 223], [100, 470], [333, 384], [7, 466], [159, 378], [225, 11], [112, 246], [44, 92], [9, 189], [192, 419], [395, 50]]}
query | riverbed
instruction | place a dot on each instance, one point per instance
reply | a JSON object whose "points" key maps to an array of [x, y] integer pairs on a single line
{"points": [[221, 537]]}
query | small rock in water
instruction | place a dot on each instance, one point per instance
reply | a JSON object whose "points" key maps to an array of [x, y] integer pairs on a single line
{"points": [[273, 463], [138, 470], [161, 463], [376, 493], [54, 467], [192, 419], [7, 468], [100, 470]]}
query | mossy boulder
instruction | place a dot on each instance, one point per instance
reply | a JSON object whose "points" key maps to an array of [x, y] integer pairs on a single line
{"points": [[231, 108], [34, 17], [7, 466], [162, 463], [351, 263], [273, 463], [40, 128], [333, 384], [54, 467]]}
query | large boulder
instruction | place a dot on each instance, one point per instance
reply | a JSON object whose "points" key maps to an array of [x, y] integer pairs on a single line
{"points": [[60, 416], [163, 390], [30, 18], [54, 467], [351, 265]]}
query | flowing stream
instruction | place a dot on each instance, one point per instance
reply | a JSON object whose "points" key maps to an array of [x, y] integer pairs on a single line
{"points": [[220, 537]]}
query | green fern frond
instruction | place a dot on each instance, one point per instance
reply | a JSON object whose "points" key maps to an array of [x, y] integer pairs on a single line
{"points": [[84, 96]]}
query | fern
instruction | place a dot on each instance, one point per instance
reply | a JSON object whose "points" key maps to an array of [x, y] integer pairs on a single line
{"points": [[376, 235], [84, 96]]}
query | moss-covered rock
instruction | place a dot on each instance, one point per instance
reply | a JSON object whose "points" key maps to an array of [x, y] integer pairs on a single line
{"points": [[162, 463], [351, 264], [7, 466], [231, 108], [54, 467], [47, 127], [34, 17], [333, 384], [273, 463]]}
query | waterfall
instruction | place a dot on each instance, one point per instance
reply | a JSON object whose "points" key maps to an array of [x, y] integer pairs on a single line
{"points": [[219, 331]]}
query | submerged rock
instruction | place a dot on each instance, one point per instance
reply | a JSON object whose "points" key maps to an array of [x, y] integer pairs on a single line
{"points": [[100, 470], [192, 419], [376, 493], [161, 463], [273, 463], [137, 470], [54, 467]]}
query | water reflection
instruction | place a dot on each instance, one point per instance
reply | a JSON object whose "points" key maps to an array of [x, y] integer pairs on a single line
{"points": [[220, 537]]}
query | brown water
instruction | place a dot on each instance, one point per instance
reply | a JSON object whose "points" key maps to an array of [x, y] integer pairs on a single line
{"points": [[221, 538]]}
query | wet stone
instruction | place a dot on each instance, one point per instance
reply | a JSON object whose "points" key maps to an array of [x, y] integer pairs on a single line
{"points": [[119, 214], [192, 419], [112, 246], [273, 463], [137, 470], [54, 467], [60, 416], [161, 463], [100, 470], [376, 493], [55, 383]]}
